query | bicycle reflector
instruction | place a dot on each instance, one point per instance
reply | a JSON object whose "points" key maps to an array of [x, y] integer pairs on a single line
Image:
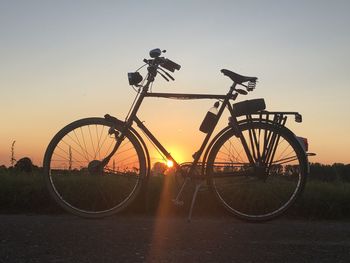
{"points": [[134, 78], [298, 117]]}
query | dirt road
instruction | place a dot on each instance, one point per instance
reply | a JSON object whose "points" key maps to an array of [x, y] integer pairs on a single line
{"points": [[65, 238]]}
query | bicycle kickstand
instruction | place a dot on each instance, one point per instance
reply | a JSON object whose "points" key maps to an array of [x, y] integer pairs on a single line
{"points": [[177, 201], [198, 186]]}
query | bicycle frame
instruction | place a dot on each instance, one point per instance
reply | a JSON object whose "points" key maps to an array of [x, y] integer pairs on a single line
{"points": [[132, 117], [252, 149], [234, 124]]}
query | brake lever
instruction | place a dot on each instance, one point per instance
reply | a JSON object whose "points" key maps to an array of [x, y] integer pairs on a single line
{"points": [[166, 73], [163, 76]]}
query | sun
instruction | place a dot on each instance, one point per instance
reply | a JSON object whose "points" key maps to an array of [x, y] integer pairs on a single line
{"points": [[169, 163]]}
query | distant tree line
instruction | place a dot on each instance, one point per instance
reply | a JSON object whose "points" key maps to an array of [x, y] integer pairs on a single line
{"points": [[330, 173], [322, 172], [24, 165], [318, 171]]}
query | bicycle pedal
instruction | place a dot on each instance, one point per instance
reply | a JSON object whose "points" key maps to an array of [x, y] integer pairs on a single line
{"points": [[178, 203]]}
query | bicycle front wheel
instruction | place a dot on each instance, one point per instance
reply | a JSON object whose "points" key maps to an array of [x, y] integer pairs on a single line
{"points": [[77, 180], [265, 184]]}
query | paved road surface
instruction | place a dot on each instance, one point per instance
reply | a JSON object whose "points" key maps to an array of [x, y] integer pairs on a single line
{"points": [[65, 238]]}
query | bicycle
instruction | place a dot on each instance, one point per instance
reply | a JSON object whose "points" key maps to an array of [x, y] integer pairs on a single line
{"points": [[256, 167]]}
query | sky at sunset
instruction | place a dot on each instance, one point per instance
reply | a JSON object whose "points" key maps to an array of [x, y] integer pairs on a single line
{"points": [[65, 60]]}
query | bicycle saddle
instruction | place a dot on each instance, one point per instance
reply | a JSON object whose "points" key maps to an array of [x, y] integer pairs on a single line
{"points": [[236, 77]]}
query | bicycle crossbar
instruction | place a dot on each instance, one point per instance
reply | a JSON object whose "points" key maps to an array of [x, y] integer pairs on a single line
{"points": [[184, 96]]}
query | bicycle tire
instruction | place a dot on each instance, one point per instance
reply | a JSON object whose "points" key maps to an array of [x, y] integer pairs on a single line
{"points": [[264, 192], [71, 179]]}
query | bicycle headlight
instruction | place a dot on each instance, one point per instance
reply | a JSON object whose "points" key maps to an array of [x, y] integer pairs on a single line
{"points": [[134, 78]]}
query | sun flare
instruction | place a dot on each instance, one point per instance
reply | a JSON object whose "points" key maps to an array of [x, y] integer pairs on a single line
{"points": [[169, 163]]}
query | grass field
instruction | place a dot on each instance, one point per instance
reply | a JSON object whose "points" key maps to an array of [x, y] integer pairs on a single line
{"points": [[26, 193]]}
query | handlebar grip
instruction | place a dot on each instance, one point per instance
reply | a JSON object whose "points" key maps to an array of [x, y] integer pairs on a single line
{"points": [[170, 65]]}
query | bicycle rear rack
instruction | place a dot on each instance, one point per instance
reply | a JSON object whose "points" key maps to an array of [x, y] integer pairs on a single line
{"points": [[278, 117]]}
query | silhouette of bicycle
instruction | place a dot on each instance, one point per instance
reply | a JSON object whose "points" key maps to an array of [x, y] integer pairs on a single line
{"points": [[256, 167]]}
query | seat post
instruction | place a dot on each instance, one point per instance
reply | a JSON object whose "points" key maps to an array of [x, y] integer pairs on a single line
{"points": [[232, 88]]}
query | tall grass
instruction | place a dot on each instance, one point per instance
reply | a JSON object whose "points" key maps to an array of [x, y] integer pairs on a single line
{"points": [[27, 193], [24, 193], [328, 200]]}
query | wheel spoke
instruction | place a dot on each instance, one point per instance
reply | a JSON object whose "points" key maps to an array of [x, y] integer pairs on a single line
{"points": [[75, 176], [265, 188]]}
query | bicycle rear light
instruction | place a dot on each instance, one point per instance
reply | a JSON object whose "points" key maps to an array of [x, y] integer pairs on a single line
{"points": [[134, 78]]}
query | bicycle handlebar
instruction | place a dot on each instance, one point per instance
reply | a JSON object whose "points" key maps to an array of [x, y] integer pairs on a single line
{"points": [[162, 61], [169, 65]]}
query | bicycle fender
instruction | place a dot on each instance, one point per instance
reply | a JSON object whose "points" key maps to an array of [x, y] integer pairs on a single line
{"points": [[212, 142], [143, 144], [243, 122], [271, 122], [116, 121], [113, 119]]}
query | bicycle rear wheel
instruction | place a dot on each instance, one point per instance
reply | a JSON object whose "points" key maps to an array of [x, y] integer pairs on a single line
{"points": [[264, 186], [77, 180]]}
